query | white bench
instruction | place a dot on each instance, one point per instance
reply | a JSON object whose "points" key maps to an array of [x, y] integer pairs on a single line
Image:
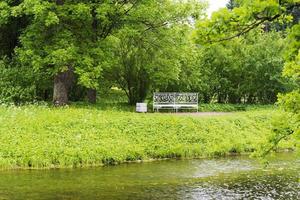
{"points": [[175, 101]]}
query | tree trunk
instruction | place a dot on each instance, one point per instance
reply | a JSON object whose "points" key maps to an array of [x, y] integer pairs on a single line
{"points": [[62, 84], [131, 96], [62, 81], [92, 95]]}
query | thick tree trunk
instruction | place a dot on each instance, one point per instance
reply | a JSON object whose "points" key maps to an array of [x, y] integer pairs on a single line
{"points": [[92, 95], [62, 84], [62, 81]]}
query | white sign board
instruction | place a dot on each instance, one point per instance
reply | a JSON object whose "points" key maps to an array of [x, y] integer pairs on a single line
{"points": [[141, 107]]}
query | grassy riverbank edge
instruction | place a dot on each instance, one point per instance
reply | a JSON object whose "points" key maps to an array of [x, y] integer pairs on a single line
{"points": [[41, 137]]}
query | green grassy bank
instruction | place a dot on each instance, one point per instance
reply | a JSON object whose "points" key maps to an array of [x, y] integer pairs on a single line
{"points": [[43, 137]]}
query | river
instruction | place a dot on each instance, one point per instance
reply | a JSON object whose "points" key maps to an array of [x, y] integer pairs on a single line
{"points": [[223, 178]]}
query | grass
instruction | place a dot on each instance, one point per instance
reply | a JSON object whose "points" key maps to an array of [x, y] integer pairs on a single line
{"points": [[81, 135]]}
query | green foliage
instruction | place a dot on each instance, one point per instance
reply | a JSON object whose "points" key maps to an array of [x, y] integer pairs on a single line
{"points": [[4, 12], [291, 101], [48, 46], [289, 125], [282, 133], [147, 54], [189, 76], [227, 24], [16, 83], [69, 37], [144, 60], [141, 47], [292, 66], [243, 70], [43, 137], [249, 15]]}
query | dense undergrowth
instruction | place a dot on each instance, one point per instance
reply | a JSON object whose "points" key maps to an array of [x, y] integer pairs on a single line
{"points": [[80, 135]]}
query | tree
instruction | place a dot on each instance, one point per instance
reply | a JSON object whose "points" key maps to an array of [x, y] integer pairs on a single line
{"points": [[63, 38], [147, 49], [226, 25], [190, 79], [243, 70], [148, 53], [142, 62]]}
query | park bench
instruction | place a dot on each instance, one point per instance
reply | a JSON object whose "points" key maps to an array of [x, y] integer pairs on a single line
{"points": [[175, 101]]}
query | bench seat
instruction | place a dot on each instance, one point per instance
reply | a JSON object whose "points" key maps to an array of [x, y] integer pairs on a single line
{"points": [[175, 101]]}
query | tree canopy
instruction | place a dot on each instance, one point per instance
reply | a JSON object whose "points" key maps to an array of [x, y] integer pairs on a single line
{"points": [[64, 40]]}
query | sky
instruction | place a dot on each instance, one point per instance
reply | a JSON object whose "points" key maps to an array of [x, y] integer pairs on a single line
{"points": [[215, 5]]}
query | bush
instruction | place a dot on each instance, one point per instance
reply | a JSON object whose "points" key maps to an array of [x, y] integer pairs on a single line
{"points": [[16, 83]]}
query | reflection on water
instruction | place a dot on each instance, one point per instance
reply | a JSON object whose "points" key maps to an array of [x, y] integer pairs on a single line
{"points": [[230, 178]]}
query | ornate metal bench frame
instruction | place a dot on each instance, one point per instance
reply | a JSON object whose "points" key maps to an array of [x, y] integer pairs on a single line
{"points": [[175, 101]]}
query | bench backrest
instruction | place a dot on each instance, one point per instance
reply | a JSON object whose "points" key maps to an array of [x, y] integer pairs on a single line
{"points": [[169, 98]]}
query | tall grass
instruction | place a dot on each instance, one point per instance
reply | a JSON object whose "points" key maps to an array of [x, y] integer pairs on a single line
{"points": [[80, 135]]}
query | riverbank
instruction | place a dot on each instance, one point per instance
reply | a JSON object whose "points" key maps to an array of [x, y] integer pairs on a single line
{"points": [[76, 136]]}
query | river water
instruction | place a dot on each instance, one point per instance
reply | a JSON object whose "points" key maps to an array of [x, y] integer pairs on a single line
{"points": [[225, 178]]}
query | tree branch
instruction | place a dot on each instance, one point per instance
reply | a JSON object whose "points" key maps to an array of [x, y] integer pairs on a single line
{"points": [[247, 28], [259, 20]]}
